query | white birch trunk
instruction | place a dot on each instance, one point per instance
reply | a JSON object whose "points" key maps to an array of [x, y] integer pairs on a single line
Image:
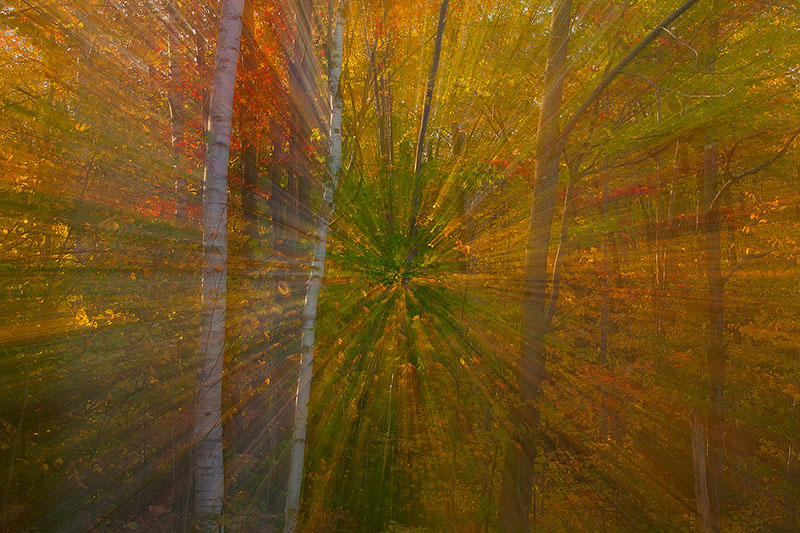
{"points": [[209, 475], [317, 272]]}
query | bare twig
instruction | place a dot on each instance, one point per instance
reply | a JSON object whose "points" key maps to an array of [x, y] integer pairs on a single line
{"points": [[750, 172], [667, 89], [744, 260], [620, 67]]}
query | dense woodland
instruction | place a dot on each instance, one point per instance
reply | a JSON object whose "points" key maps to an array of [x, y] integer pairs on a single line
{"points": [[386, 266]]}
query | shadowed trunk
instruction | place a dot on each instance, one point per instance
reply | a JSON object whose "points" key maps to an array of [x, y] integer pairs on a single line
{"points": [[418, 158], [515, 499], [515, 496], [708, 223], [715, 342]]}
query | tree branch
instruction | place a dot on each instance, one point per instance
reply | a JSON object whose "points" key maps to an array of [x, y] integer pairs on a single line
{"points": [[750, 172], [617, 70], [667, 89], [573, 165], [744, 260]]}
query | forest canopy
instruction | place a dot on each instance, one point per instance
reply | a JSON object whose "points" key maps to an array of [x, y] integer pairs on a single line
{"points": [[384, 266]]}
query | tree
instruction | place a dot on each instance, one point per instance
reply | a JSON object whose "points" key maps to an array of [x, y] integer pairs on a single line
{"points": [[177, 115], [419, 154], [515, 497], [415, 388], [317, 271], [250, 149], [209, 476], [520, 453]]}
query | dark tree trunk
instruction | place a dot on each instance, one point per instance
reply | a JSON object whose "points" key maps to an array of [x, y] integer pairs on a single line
{"points": [[715, 341], [418, 158], [708, 224]]}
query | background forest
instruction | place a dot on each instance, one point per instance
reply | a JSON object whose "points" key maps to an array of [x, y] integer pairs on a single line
{"points": [[371, 265]]}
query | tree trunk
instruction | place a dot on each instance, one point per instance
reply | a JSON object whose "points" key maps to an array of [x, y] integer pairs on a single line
{"points": [[667, 261], [200, 61], [566, 217], [423, 128], [249, 146], [700, 475], [177, 116], [277, 208], [380, 80], [317, 273], [289, 203], [715, 341], [605, 321], [209, 478], [517, 479], [708, 223], [301, 89], [520, 451], [792, 473]]}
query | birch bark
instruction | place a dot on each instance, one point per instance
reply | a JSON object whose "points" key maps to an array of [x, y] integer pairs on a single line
{"points": [[209, 475], [317, 273]]}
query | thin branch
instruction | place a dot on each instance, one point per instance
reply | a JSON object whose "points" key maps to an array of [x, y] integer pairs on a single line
{"points": [[628, 59], [555, 285], [684, 43], [744, 260], [667, 89], [736, 177]]}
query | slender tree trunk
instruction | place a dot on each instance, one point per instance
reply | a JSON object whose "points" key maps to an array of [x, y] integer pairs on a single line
{"points": [[515, 502], [715, 341], [246, 130], [290, 209], [277, 208], [317, 274], [605, 321], [177, 117], [177, 112], [381, 82], [301, 88], [563, 244], [200, 62], [792, 475], [708, 223], [666, 234], [209, 478], [423, 128], [700, 475]]}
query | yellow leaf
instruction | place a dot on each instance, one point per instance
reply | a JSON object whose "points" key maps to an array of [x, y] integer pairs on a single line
{"points": [[283, 288], [108, 224]]}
